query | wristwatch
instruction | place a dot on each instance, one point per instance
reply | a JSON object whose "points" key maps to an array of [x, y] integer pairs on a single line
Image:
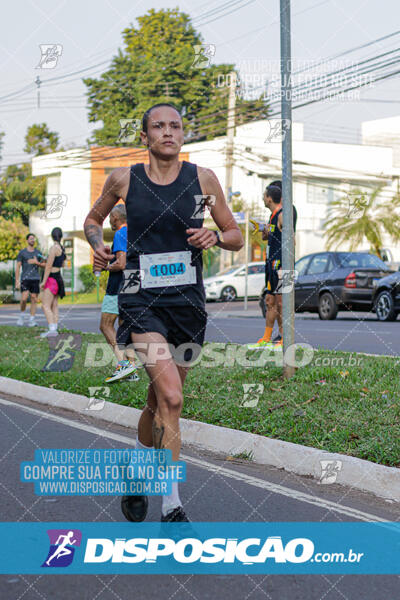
{"points": [[219, 238]]}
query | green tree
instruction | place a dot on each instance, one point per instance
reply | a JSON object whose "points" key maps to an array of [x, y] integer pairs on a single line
{"points": [[157, 65], [358, 216], [12, 238], [40, 140], [20, 193]]}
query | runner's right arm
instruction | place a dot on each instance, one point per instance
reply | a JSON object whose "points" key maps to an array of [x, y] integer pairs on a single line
{"points": [[17, 273], [93, 226], [120, 262], [49, 264]]}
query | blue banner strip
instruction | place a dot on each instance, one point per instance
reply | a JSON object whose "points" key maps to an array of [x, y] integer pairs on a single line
{"points": [[200, 548]]}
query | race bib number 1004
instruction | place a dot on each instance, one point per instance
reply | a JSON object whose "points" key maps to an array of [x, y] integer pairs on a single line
{"points": [[167, 269]]}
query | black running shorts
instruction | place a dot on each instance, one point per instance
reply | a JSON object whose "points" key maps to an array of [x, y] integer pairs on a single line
{"points": [[30, 285], [273, 282], [178, 324]]}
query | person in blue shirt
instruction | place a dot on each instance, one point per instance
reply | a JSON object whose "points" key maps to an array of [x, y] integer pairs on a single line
{"points": [[109, 309]]}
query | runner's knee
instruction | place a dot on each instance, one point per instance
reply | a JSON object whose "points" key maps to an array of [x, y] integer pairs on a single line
{"points": [[171, 400], [106, 324], [270, 301]]}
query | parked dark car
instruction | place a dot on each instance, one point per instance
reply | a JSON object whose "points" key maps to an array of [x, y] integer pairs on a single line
{"points": [[331, 281], [386, 297]]}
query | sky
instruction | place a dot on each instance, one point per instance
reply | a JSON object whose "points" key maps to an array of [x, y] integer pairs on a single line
{"points": [[246, 34]]}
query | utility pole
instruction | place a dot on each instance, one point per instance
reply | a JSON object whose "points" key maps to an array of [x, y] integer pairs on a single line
{"points": [[38, 82], [226, 255], [287, 216], [246, 251]]}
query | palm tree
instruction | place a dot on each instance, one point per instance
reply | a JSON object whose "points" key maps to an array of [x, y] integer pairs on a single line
{"points": [[358, 215]]}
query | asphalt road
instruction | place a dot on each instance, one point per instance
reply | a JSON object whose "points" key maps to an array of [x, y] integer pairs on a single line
{"points": [[354, 332], [207, 495]]}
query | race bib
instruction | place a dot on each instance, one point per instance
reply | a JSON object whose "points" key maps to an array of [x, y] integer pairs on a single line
{"points": [[167, 269]]}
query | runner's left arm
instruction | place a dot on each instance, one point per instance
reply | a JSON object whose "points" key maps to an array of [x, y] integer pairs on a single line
{"points": [[231, 236]]}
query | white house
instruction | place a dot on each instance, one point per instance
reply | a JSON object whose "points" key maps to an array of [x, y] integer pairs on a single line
{"points": [[321, 173]]}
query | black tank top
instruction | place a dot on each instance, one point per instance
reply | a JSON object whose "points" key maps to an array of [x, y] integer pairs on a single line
{"points": [[58, 261], [275, 240], [157, 218]]}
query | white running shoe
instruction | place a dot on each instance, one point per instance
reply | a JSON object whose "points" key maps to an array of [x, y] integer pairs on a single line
{"points": [[132, 377], [32, 323], [122, 370], [49, 333], [20, 321]]}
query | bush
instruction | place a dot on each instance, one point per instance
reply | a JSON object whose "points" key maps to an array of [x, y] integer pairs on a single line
{"points": [[87, 278], [103, 280], [6, 278], [8, 298]]}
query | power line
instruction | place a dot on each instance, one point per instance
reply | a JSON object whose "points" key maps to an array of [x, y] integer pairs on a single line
{"points": [[379, 100], [213, 11], [201, 22], [273, 23], [245, 112]]}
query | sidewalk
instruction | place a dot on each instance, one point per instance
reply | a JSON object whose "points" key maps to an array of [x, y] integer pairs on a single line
{"points": [[352, 472], [253, 314], [60, 306]]}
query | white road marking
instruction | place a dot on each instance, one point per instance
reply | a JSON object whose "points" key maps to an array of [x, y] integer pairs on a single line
{"points": [[242, 477], [356, 331]]}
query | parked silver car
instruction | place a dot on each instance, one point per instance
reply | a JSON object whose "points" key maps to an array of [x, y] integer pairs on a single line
{"points": [[229, 284]]}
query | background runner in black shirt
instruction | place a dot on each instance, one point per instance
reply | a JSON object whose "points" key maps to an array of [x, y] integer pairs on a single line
{"points": [[273, 264], [27, 277]]}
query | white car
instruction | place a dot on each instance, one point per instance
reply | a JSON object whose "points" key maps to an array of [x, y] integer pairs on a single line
{"points": [[229, 284]]}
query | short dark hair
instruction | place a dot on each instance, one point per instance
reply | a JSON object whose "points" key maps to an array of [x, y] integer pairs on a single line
{"points": [[274, 192], [29, 235], [278, 183], [145, 118]]}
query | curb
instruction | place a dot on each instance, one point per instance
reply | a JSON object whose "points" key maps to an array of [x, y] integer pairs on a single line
{"points": [[355, 473]]}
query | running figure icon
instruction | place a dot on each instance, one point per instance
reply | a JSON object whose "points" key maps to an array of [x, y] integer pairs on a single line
{"points": [[62, 549]]}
